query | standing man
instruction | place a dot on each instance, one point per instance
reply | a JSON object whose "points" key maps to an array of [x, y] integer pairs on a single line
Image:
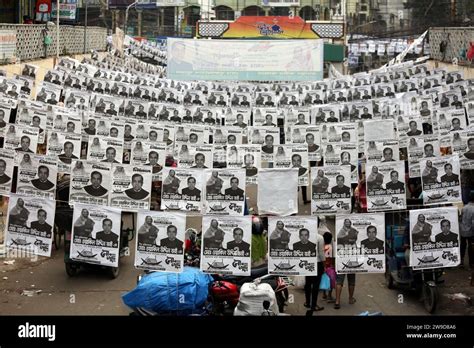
{"points": [[311, 288]]}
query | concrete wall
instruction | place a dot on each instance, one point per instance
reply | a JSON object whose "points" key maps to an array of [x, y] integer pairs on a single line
{"points": [[30, 43], [458, 39]]}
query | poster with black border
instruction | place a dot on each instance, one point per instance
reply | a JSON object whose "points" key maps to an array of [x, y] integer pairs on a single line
{"points": [[90, 182], [360, 243], [95, 235], [292, 245], [182, 190], [330, 190], [226, 245], [30, 222], [434, 238], [160, 241], [440, 178], [225, 192], [385, 186], [130, 187]]}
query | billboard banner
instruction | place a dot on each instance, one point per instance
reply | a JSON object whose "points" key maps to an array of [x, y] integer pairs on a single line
{"points": [[289, 60]]}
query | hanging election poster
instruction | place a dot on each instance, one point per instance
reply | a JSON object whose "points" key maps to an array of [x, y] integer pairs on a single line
{"points": [[160, 239], [7, 163], [237, 117], [30, 224], [466, 150], [281, 183], [440, 180], [267, 137], [293, 156], [292, 245], [309, 135], [360, 243], [331, 190], [227, 135], [68, 123], [385, 186], [149, 154], [434, 237], [96, 235], [419, 148], [131, 187], [37, 176], [182, 189], [342, 154], [20, 138], [102, 149], [195, 156], [90, 182], [225, 192], [226, 245], [245, 156], [66, 146]]}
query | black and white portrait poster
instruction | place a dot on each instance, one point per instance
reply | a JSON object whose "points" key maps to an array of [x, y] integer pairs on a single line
{"points": [[30, 224], [149, 154], [382, 151], [104, 127], [240, 99], [342, 154], [449, 122], [339, 133], [325, 114], [131, 187], [466, 150], [35, 119], [227, 135], [293, 156], [434, 238], [182, 189], [102, 149], [96, 235], [37, 175], [67, 122], [266, 99], [220, 98], [26, 85], [292, 245], [247, 157], [360, 243], [66, 146], [48, 93], [224, 192], [330, 190], [160, 134], [21, 138], [296, 117], [106, 105], [76, 99], [385, 186], [309, 135], [265, 117], [160, 241], [238, 117], [440, 179], [281, 183], [136, 109], [193, 97], [190, 134], [267, 138], [419, 148], [195, 156], [90, 182], [226, 244], [7, 163]]}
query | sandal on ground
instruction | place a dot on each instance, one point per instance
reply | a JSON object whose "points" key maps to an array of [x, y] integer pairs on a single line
{"points": [[352, 300], [337, 306], [306, 305], [317, 308]]}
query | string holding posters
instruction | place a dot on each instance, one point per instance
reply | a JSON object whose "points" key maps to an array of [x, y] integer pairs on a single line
{"points": [[434, 238], [131, 187], [292, 246], [182, 189], [95, 235], [30, 225], [90, 182], [331, 190], [160, 238], [225, 192], [226, 245], [360, 243], [385, 186], [440, 179]]}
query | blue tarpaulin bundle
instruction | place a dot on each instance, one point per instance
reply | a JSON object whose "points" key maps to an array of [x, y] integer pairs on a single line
{"points": [[161, 292]]}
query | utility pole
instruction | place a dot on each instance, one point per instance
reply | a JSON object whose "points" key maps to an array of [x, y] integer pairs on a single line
{"points": [[126, 17], [85, 27], [57, 30]]}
